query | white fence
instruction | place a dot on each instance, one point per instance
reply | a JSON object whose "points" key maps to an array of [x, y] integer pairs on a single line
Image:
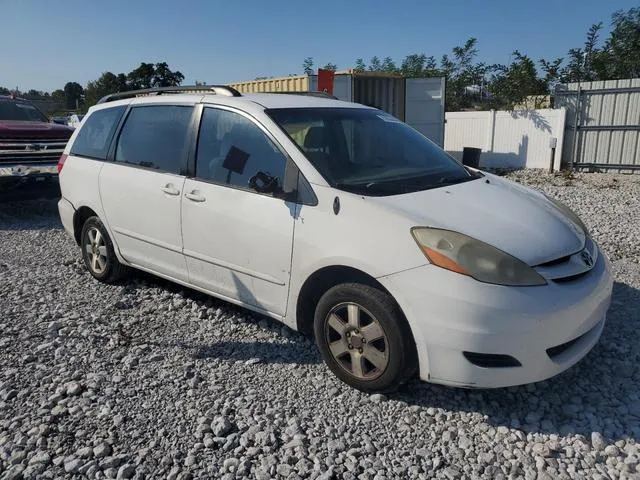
{"points": [[517, 139]]}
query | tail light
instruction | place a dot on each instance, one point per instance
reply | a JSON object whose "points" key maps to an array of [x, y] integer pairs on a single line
{"points": [[63, 157]]}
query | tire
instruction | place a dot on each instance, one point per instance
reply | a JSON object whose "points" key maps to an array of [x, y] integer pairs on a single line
{"points": [[98, 253], [364, 338]]}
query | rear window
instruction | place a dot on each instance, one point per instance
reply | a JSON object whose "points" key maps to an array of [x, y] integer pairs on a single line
{"points": [[19, 111], [95, 136]]}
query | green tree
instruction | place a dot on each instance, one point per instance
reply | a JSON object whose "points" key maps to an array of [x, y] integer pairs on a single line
{"points": [[107, 83], [419, 65], [620, 56], [141, 77], [582, 61], [388, 65], [147, 75], [121, 80], [58, 97], [552, 71], [511, 85], [73, 93], [307, 66], [360, 65], [461, 71], [375, 64], [413, 65], [330, 66], [164, 77]]}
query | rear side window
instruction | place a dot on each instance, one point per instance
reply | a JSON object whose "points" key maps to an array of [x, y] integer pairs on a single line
{"points": [[232, 150], [20, 111], [156, 137], [95, 136]]}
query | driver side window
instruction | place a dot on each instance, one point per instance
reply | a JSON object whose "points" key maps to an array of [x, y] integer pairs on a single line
{"points": [[232, 150]]}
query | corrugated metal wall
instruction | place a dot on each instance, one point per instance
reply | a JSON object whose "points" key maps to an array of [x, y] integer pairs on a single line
{"points": [[380, 92], [282, 84], [508, 139], [608, 124]]}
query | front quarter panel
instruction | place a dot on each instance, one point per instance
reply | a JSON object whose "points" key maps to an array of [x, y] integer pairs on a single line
{"points": [[362, 235]]}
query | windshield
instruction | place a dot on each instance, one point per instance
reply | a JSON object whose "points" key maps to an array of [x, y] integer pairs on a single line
{"points": [[369, 151], [20, 111]]}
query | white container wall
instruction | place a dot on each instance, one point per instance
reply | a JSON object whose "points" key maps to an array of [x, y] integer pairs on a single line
{"points": [[424, 106], [515, 139]]}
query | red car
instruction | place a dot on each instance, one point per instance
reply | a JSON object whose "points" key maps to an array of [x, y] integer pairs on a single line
{"points": [[30, 145]]}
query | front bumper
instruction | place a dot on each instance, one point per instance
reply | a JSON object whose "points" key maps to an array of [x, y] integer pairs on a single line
{"points": [[28, 170], [450, 314]]}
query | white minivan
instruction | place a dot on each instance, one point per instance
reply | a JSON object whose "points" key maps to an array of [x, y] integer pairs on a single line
{"points": [[340, 221]]}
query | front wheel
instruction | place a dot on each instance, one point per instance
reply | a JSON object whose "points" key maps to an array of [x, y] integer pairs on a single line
{"points": [[364, 338], [98, 254]]}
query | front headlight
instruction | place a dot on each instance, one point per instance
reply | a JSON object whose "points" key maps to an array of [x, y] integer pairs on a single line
{"points": [[570, 214], [465, 255]]}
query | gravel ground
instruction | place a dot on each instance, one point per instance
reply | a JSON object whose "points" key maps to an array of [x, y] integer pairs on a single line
{"points": [[146, 380]]}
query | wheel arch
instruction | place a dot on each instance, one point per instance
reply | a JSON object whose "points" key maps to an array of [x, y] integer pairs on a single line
{"points": [[79, 217], [82, 214], [322, 280], [327, 277]]}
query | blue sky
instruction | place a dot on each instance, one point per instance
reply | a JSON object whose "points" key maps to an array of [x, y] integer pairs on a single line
{"points": [[45, 43]]}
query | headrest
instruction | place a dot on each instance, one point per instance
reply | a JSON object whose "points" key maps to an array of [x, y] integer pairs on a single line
{"points": [[315, 138]]}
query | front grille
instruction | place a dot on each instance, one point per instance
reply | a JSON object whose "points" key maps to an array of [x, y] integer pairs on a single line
{"points": [[571, 278], [557, 261], [570, 268], [31, 151], [491, 360]]}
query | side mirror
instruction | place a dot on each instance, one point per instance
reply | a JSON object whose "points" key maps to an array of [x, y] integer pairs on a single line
{"points": [[264, 182]]}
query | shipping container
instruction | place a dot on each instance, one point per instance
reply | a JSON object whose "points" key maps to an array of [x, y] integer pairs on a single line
{"points": [[298, 83], [417, 101]]}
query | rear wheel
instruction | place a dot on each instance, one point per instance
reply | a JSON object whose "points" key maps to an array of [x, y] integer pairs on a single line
{"points": [[364, 338], [98, 253]]}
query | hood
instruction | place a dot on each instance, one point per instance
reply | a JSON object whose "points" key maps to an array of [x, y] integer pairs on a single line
{"points": [[16, 129], [513, 218]]}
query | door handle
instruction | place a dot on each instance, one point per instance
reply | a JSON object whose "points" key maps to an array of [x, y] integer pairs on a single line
{"points": [[170, 189], [194, 196]]}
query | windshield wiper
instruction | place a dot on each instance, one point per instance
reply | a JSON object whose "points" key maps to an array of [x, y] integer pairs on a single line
{"points": [[375, 188], [473, 173], [453, 180], [399, 186]]}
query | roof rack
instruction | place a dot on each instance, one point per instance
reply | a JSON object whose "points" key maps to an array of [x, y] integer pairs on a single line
{"points": [[216, 89], [308, 94]]}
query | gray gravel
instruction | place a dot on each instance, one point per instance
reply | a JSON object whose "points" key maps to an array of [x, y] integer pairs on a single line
{"points": [[146, 380]]}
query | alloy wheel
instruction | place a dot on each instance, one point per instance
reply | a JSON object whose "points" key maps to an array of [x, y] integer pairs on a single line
{"points": [[96, 250], [357, 341]]}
